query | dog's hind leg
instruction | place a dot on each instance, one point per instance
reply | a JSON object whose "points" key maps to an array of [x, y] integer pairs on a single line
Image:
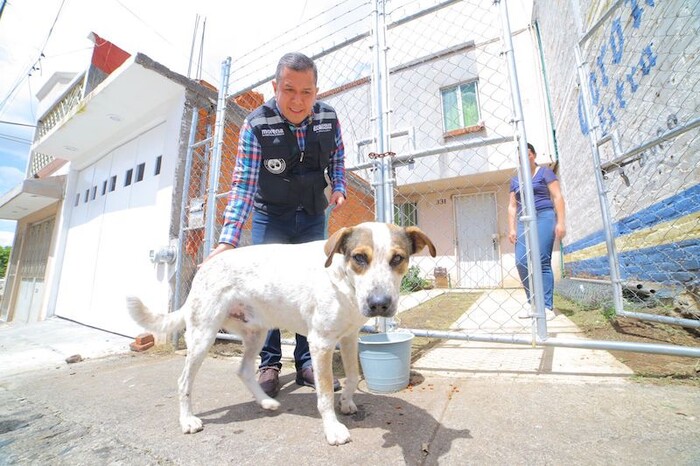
{"points": [[348, 352], [253, 342], [322, 359], [198, 343]]}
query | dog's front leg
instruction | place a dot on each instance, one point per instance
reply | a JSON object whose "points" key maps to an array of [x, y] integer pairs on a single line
{"points": [[322, 359], [348, 351]]}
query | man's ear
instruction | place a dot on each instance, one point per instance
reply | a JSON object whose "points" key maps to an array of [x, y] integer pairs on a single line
{"points": [[336, 244], [420, 240]]}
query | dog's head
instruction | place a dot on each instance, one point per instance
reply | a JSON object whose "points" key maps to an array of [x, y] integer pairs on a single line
{"points": [[376, 258]]}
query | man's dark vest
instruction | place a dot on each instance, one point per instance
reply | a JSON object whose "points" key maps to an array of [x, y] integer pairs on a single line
{"points": [[288, 178]]}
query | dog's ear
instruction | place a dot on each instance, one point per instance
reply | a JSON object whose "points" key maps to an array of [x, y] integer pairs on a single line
{"points": [[420, 240], [335, 244]]}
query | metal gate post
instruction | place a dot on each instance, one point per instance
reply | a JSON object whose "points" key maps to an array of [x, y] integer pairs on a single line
{"points": [[529, 218], [384, 189], [215, 166], [600, 185], [384, 181], [177, 301]]}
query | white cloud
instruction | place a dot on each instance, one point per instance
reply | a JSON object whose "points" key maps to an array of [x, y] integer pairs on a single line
{"points": [[6, 238]]}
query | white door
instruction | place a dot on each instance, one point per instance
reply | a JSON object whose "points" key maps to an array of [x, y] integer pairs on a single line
{"points": [[121, 213], [28, 307], [32, 267], [477, 241]]}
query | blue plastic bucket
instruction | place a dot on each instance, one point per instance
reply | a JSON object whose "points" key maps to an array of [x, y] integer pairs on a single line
{"points": [[386, 360]]}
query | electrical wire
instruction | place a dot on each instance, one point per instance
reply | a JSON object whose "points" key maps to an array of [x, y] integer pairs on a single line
{"points": [[33, 66]]}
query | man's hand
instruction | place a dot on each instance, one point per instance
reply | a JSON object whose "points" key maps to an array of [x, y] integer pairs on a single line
{"points": [[337, 199], [218, 250]]}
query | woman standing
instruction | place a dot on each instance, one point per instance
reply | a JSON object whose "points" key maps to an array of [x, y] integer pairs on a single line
{"points": [[550, 223]]}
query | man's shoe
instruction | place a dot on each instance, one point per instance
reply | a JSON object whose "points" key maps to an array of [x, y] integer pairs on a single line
{"points": [[305, 377], [269, 380]]}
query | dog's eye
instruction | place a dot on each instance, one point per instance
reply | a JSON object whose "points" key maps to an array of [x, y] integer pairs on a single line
{"points": [[360, 259], [396, 260]]}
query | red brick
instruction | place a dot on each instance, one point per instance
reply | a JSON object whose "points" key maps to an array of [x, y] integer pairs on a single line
{"points": [[144, 339], [137, 347]]}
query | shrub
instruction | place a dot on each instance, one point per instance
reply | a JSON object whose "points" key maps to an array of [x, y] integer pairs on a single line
{"points": [[412, 281]]}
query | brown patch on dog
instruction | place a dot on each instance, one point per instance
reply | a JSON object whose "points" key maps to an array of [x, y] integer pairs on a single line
{"points": [[237, 311], [420, 240], [335, 244], [350, 241]]}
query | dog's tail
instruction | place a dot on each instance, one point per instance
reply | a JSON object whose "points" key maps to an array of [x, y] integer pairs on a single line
{"points": [[161, 323]]}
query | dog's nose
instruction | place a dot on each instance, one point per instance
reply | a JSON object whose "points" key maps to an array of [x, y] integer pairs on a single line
{"points": [[379, 305]]}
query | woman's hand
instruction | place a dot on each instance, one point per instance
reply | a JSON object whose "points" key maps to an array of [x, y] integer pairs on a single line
{"points": [[559, 231]]}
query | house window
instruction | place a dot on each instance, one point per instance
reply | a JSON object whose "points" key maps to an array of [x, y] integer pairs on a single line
{"points": [[94, 193], [460, 106], [406, 215], [140, 168], [113, 183], [159, 159], [77, 200], [104, 187], [129, 174]]}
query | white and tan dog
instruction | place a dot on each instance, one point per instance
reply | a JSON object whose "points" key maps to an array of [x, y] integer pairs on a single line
{"points": [[308, 289]]}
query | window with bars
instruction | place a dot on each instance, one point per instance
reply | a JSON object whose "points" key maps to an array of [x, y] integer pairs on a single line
{"points": [[406, 214]]}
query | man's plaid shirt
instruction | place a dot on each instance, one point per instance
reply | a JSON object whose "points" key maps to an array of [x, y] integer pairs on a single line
{"points": [[247, 170]]}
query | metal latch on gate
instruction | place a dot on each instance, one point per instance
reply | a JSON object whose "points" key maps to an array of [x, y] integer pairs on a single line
{"points": [[165, 255]]}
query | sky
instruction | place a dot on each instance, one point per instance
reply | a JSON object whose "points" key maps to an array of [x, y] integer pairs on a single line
{"points": [[41, 37]]}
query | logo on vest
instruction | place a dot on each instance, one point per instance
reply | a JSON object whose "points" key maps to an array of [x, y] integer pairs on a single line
{"points": [[273, 132], [322, 127], [275, 166]]}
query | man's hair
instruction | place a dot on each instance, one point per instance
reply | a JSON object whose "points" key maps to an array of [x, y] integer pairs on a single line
{"points": [[298, 62], [532, 148]]}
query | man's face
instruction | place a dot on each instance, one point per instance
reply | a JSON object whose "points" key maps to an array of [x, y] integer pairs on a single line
{"points": [[295, 94]]}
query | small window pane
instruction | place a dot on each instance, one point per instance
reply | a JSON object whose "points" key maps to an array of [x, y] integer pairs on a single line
{"points": [[129, 174], [139, 171], [450, 109], [112, 183], [470, 109], [159, 159]]}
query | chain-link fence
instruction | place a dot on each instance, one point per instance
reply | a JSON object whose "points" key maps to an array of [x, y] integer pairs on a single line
{"points": [[639, 108], [424, 94]]}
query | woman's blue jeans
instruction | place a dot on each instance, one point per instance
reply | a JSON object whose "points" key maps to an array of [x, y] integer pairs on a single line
{"points": [[546, 221], [291, 228]]}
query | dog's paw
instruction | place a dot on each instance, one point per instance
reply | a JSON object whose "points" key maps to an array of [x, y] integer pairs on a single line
{"points": [[190, 424], [337, 434], [270, 404], [347, 406]]}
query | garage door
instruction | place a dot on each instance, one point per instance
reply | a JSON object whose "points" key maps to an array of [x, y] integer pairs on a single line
{"points": [[120, 211]]}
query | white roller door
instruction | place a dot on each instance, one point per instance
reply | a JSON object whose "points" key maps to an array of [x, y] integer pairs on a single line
{"points": [[120, 212]]}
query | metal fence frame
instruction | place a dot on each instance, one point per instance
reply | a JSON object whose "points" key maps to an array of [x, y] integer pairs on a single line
{"points": [[384, 184]]}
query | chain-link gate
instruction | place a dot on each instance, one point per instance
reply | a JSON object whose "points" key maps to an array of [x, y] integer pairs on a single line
{"points": [[639, 108], [431, 111]]}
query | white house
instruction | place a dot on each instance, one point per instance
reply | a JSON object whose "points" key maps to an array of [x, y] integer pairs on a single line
{"points": [[101, 204]]}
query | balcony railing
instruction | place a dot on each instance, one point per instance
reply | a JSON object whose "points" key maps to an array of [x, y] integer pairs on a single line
{"points": [[70, 99]]}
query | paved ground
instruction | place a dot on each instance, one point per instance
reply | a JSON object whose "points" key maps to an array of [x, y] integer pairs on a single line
{"points": [[469, 403]]}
